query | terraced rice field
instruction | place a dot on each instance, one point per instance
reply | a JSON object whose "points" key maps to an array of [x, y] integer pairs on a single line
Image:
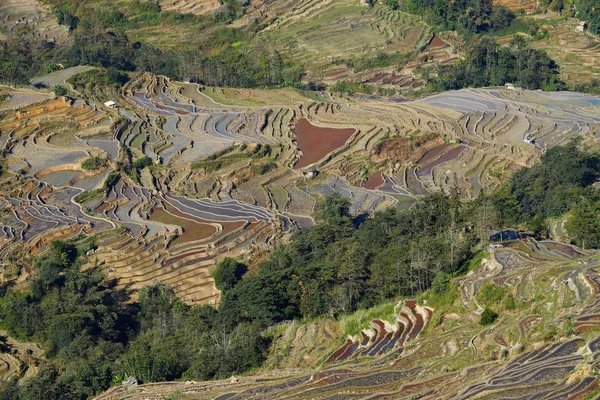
{"points": [[16, 14], [189, 6], [528, 6], [21, 98], [316, 33], [385, 337], [179, 221]]}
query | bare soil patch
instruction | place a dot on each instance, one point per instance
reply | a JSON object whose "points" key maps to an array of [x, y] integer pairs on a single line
{"points": [[316, 142]]}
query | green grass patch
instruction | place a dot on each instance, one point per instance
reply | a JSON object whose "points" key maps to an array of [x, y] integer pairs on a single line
{"points": [[491, 294], [88, 195], [354, 323], [476, 260], [93, 163], [442, 303], [521, 25]]}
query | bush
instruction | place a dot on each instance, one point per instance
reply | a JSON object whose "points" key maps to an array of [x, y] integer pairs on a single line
{"points": [[142, 163], [60, 90], [491, 294], [488, 317], [440, 283], [263, 168], [510, 303], [111, 181], [93, 163]]}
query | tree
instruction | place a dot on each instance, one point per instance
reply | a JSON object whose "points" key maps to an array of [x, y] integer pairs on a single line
{"points": [[392, 4], [584, 225], [488, 317], [440, 283], [228, 273], [60, 90]]}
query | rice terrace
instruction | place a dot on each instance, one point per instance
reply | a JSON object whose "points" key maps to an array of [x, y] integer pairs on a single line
{"points": [[315, 199]]}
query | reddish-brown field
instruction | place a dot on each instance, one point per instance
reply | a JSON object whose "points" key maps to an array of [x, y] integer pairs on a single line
{"points": [[375, 180], [316, 142], [437, 42], [228, 227], [191, 230], [433, 153]]}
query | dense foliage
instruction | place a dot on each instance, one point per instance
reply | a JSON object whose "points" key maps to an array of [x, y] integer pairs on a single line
{"points": [[488, 64], [559, 183], [336, 267], [589, 11], [99, 84], [221, 56], [94, 336], [464, 16]]}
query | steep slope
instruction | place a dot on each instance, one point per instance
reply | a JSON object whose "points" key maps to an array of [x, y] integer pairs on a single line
{"points": [[543, 345]]}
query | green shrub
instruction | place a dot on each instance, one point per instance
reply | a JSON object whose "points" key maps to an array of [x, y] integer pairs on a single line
{"points": [[488, 317], [111, 181], [60, 90], [510, 303], [93, 163], [142, 163], [491, 294], [263, 168], [228, 273]]}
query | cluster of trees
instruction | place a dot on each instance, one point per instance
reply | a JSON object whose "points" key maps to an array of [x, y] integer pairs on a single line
{"points": [[464, 16], [561, 183], [220, 56], [488, 64], [99, 84], [94, 335], [589, 11], [337, 267], [21, 58], [93, 163]]}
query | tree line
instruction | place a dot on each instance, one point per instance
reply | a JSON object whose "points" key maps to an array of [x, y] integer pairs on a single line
{"points": [[223, 56], [463, 16], [94, 336], [488, 64]]}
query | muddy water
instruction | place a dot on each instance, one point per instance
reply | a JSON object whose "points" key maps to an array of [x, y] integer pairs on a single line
{"points": [[375, 180], [316, 142], [448, 156]]}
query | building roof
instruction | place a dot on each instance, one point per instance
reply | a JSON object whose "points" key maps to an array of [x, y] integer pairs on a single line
{"points": [[109, 103]]}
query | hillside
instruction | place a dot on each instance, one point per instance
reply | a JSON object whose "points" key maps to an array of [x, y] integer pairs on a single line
{"points": [[544, 343], [321, 199]]}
